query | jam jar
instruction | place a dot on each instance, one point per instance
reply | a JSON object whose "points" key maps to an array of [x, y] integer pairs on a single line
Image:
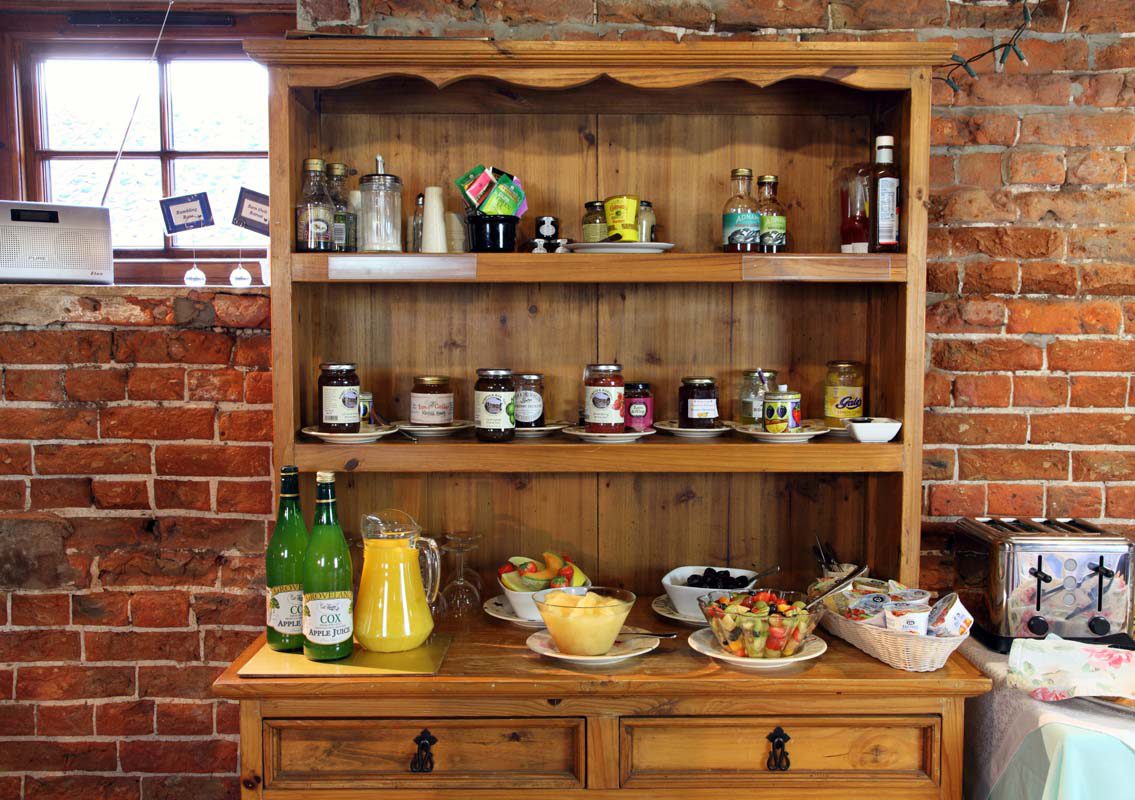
{"points": [[603, 391], [640, 407], [697, 402], [338, 398], [529, 400], [431, 401], [843, 393], [494, 405], [751, 398]]}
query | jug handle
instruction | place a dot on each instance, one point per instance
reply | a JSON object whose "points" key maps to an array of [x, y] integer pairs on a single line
{"points": [[433, 569]]}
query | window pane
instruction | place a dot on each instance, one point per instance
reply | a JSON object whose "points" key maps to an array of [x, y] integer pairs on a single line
{"points": [[222, 178], [204, 118], [135, 216], [87, 103]]}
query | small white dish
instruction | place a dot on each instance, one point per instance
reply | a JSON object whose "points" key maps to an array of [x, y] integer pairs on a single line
{"points": [[874, 429], [438, 431], [809, 429], [366, 434], [671, 427], [607, 438], [541, 432], [662, 606], [499, 608], [620, 247], [685, 598], [705, 642], [629, 643]]}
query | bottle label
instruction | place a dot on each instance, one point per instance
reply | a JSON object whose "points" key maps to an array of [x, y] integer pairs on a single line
{"points": [[327, 617], [595, 232], [314, 224], [340, 405], [431, 409], [701, 408], [339, 232], [285, 608], [774, 230], [529, 405], [494, 410], [741, 227], [888, 211], [843, 402], [640, 413], [603, 405]]}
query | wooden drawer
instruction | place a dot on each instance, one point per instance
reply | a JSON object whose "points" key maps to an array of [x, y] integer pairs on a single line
{"points": [[722, 751], [378, 753]]}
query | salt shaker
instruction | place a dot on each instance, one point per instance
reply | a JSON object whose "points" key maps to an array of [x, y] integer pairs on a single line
{"points": [[380, 218]]}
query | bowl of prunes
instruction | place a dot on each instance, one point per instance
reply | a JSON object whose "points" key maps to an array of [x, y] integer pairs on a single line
{"points": [[684, 585]]}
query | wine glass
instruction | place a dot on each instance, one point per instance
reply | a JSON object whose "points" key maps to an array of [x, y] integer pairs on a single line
{"points": [[461, 596]]}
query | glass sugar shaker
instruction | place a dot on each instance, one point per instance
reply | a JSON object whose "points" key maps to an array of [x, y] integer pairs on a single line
{"points": [[380, 222]]}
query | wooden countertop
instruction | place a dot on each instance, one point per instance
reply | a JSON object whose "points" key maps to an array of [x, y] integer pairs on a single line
{"points": [[488, 657]]}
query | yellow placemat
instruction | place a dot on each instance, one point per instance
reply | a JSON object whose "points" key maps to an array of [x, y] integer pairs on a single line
{"points": [[424, 660]]}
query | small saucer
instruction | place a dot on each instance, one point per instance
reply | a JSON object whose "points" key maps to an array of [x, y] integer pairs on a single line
{"points": [[437, 431], [662, 606], [809, 429], [671, 427], [607, 438], [541, 432], [499, 608], [366, 434], [631, 642]]}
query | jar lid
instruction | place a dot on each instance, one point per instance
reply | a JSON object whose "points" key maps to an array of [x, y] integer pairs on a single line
{"points": [[741, 173], [756, 373], [645, 204], [335, 367], [432, 380], [844, 364], [604, 367], [530, 376], [785, 395], [494, 373], [313, 165], [336, 169], [698, 380], [768, 179], [381, 181], [597, 205], [638, 387]]}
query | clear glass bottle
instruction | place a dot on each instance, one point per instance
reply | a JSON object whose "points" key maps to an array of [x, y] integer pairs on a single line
{"points": [[315, 213], [380, 217], [774, 222], [344, 229], [854, 194], [741, 218], [885, 198], [646, 221], [416, 224]]}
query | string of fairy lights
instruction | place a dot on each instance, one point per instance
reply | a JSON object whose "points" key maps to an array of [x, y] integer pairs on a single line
{"points": [[1002, 50]]}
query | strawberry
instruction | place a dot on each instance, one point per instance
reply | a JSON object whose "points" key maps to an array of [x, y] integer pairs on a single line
{"points": [[566, 571], [529, 568], [509, 567], [560, 582]]}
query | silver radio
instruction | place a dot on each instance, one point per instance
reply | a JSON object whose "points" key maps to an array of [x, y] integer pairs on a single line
{"points": [[50, 243]]}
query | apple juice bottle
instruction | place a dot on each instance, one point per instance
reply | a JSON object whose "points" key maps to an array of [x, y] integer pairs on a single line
{"points": [[328, 613], [283, 564]]}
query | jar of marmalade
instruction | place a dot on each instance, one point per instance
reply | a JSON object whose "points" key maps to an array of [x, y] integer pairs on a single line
{"points": [[640, 407], [603, 391], [530, 400], [697, 402], [494, 405], [338, 398], [431, 401]]}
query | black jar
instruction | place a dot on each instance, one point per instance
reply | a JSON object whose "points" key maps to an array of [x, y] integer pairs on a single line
{"points": [[697, 402], [338, 398], [494, 405]]}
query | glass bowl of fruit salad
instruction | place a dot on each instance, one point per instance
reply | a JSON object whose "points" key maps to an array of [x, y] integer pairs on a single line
{"points": [[584, 621], [684, 585], [763, 623], [520, 577]]}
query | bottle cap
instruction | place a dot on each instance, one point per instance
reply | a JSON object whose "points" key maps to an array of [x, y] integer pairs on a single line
{"points": [[289, 469], [768, 179], [325, 477], [313, 165], [336, 169], [742, 173], [884, 141]]}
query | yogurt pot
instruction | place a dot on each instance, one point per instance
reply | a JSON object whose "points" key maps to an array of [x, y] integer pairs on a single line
{"points": [[949, 617], [911, 596], [863, 586], [908, 617], [869, 610]]}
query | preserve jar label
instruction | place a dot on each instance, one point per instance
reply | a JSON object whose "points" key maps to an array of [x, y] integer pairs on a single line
{"points": [[529, 405], [431, 409], [705, 408], [743, 227], [594, 231], [774, 230], [888, 212], [495, 410], [327, 617], [285, 608], [640, 413], [843, 402], [603, 405], [340, 405]]}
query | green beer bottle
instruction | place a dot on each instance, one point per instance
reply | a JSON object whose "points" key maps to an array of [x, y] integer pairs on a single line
{"points": [[328, 610], [284, 567]]}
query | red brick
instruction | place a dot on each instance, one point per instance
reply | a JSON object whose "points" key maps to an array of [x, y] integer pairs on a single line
{"points": [[1005, 89], [1108, 279], [258, 387], [73, 682], [156, 756], [130, 718], [1109, 243], [513, 12], [164, 568], [1106, 91], [182, 494], [228, 718], [245, 426], [937, 465], [1011, 464], [141, 646], [7, 684], [1120, 55], [217, 608], [1088, 428], [88, 787], [1099, 391], [986, 354], [1007, 242], [244, 498], [1063, 316], [185, 719], [1121, 501], [1096, 166], [1078, 130], [945, 428], [1076, 205], [937, 390], [224, 385], [160, 347], [41, 610], [1099, 16], [61, 493], [989, 391], [942, 277], [253, 351], [28, 755], [1073, 500], [964, 129], [980, 169], [120, 494], [15, 459], [974, 205], [183, 683], [242, 310], [165, 609], [1036, 166], [956, 500], [1047, 277], [958, 316], [990, 277], [92, 385], [138, 422], [1092, 356], [54, 347], [942, 172], [156, 383], [13, 495], [873, 14], [209, 533], [227, 645], [33, 384], [682, 14], [100, 608], [48, 423], [66, 720], [17, 719], [208, 461], [189, 787], [1050, 56], [1015, 499], [39, 645], [103, 532], [240, 572], [1103, 465], [1048, 16], [92, 459]]}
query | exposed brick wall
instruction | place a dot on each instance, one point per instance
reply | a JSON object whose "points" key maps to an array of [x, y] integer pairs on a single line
{"points": [[136, 480]]}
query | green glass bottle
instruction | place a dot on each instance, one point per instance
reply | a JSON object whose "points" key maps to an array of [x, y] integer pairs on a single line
{"points": [[328, 607], [283, 564]]}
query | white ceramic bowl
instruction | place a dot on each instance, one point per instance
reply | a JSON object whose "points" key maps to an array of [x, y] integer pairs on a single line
{"points": [[685, 598], [875, 429], [523, 604]]}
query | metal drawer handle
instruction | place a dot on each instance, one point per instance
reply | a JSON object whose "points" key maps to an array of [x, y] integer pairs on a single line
{"points": [[778, 756], [423, 760]]}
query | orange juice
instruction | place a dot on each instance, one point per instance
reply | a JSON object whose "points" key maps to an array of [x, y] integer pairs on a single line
{"points": [[391, 611]]}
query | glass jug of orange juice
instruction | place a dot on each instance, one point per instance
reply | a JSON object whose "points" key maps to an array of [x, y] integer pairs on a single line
{"points": [[392, 610]]}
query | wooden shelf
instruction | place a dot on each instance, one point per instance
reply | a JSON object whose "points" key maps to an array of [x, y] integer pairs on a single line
{"points": [[658, 453], [579, 268]]}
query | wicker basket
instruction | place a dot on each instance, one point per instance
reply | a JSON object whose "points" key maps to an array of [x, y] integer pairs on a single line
{"points": [[899, 650]]}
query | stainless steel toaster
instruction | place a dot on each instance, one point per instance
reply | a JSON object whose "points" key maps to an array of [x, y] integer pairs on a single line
{"points": [[1031, 577]]}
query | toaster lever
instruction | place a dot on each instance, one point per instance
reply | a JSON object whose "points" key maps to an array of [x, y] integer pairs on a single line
{"points": [[1101, 572], [1042, 578]]}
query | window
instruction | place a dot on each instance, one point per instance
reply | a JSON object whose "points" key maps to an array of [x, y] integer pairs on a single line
{"points": [[201, 126]]}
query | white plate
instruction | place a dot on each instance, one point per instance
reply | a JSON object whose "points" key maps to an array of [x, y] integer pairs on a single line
{"points": [[606, 438], [499, 608], [671, 427], [662, 606], [366, 434], [809, 429], [705, 642], [620, 247], [540, 433], [456, 426], [628, 644]]}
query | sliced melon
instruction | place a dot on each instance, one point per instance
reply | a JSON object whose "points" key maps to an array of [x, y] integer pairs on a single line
{"points": [[577, 576], [513, 582], [534, 584], [554, 561], [520, 561]]}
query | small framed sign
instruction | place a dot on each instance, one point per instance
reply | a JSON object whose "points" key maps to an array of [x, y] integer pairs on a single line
{"points": [[251, 211], [186, 212]]}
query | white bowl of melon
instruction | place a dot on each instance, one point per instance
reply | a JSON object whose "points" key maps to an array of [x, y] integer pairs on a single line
{"points": [[521, 577]]}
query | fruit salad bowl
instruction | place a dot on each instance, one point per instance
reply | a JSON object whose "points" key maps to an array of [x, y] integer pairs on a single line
{"points": [[521, 577], [763, 623]]}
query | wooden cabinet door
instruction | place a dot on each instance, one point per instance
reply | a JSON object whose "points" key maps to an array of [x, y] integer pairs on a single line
{"points": [[735, 751], [380, 753]]}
